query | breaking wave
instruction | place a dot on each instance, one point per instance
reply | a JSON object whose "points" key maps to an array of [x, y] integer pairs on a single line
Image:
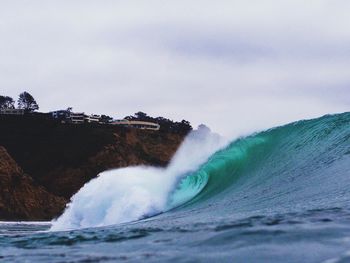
{"points": [[132, 193], [300, 166]]}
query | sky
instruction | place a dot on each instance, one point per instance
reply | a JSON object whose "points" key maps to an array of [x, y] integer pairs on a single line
{"points": [[237, 66]]}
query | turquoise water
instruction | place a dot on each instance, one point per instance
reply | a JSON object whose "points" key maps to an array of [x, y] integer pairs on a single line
{"points": [[282, 195]]}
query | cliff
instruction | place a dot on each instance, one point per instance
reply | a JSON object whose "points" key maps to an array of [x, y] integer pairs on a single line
{"points": [[58, 159], [20, 197]]}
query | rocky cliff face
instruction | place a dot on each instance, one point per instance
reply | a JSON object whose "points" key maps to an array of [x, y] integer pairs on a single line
{"points": [[128, 148], [20, 197], [57, 160]]}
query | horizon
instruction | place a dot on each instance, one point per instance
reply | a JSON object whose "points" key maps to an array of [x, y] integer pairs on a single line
{"points": [[236, 67]]}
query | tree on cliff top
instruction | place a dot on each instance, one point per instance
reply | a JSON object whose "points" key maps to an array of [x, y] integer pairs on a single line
{"points": [[27, 102], [6, 102], [106, 119], [140, 116]]}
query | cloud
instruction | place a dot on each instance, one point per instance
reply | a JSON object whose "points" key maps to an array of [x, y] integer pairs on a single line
{"points": [[235, 65]]}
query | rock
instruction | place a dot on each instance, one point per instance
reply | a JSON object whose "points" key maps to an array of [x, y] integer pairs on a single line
{"points": [[20, 198]]}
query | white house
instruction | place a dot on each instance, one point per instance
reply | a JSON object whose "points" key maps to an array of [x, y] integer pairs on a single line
{"points": [[77, 117], [143, 125], [93, 118]]}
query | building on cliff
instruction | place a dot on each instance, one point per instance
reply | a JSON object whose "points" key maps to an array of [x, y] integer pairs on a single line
{"points": [[143, 125], [93, 118], [66, 116], [77, 118], [61, 115], [12, 111]]}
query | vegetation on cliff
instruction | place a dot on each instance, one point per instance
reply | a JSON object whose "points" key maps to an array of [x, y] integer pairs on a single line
{"points": [[25, 101]]}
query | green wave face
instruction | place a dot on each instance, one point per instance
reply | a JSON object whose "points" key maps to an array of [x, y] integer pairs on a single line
{"points": [[296, 163]]}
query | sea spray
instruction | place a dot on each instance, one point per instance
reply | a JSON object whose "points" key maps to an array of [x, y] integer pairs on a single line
{"points": [[129, 194]]}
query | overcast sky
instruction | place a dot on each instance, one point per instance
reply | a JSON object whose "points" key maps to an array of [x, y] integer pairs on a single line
{"points": [[236, 66]]}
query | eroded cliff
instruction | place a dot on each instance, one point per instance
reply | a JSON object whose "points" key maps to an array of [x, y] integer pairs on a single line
{"points": [[20, 197], [43, 163]]}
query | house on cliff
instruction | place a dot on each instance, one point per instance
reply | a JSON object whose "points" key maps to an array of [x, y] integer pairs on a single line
{"points": [[61, 115], [77, 117], [93, 118], [143, 125], [12, 111], [66, 116]]}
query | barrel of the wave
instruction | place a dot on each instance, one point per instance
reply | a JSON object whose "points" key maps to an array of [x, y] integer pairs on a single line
{"points": [[189, 186]]}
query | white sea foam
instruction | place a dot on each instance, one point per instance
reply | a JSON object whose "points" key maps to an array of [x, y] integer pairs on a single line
{"points": [[129, 194]]}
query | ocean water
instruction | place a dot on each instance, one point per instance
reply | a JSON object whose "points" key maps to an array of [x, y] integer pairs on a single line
{"points": [[282, 195]]}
